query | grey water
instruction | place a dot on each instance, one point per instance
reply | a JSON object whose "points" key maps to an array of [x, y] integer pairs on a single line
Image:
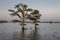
{"points": [[45, 31]]}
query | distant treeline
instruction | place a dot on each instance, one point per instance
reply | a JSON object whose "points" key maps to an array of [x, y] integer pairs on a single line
{"points": [[45, 22], [50, 22], [3, 21], [15, 21]]}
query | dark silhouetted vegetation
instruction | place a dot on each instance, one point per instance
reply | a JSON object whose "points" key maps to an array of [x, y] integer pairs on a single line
{"points": [[22, 11], [3, 21], [34, 16], [15, 21]]}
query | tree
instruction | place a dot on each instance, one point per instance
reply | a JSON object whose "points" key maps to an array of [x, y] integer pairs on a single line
{"points": [[34, 16], [21, 11]]}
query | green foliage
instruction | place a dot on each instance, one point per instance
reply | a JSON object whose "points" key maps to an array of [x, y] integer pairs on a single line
{"points": [[17, 6], [29, 9], [11, 10], [14, 14], [36, 12], [25, 13], [34, 16], [24, 6], [23, 10]]}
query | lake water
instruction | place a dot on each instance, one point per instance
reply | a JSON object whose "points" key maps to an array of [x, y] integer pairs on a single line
{"points": [[45, 31]]}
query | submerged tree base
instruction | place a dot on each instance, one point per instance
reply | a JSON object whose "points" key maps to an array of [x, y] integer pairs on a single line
{"points": [[35, 27], [24, 29]]}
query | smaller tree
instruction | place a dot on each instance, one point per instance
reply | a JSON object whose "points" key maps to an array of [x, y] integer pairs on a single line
{"points": [[34, 16]]}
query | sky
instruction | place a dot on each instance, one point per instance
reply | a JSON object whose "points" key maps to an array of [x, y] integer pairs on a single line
{"points": [[50, 9]]}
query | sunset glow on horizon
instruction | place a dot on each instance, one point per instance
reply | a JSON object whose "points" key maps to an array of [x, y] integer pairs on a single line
{"points": [[50, 9]]}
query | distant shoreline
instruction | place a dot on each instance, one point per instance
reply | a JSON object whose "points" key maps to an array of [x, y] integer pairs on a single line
{"points": [[4, 21]]}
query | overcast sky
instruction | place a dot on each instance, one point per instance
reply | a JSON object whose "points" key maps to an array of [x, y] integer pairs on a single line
{"points": [[50, 9]]}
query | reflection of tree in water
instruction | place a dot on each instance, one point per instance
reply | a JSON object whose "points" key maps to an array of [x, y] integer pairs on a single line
{"points": [[34, 35], [19, 36], [14, 36]]}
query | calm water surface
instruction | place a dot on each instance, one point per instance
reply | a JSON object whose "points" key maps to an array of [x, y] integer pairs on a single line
{"points": [[45, 31]]}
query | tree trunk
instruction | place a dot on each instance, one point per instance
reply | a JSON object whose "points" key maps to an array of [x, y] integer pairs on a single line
{"points": [[23, 22], [35, 25], [23, 25]]}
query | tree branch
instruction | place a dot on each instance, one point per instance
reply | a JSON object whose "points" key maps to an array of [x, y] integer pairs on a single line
{"points": [[19, 16]]}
